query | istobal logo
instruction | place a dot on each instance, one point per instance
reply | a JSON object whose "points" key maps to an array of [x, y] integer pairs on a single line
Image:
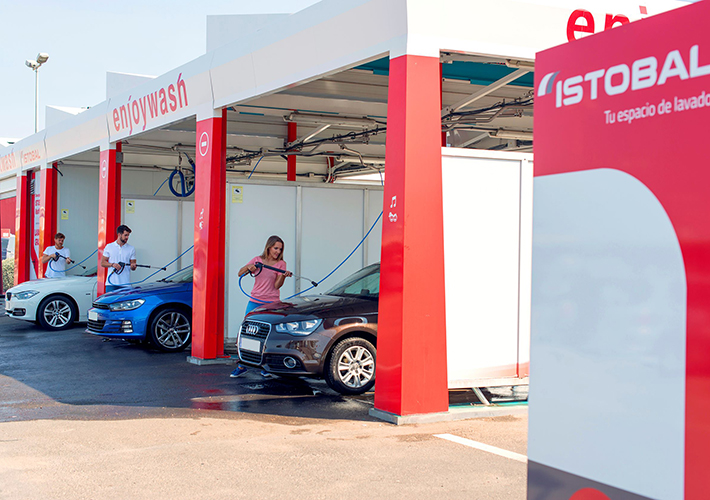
{"points": [[639, 74], [547, 84]]}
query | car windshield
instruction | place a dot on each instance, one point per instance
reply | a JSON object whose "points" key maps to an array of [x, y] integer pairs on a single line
{"points": [[364, 283], [90, 271], [182, 276]]}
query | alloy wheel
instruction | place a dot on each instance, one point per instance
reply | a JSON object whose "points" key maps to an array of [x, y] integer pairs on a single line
{"points": [[57, 313], [173, 330], [356, 366]]}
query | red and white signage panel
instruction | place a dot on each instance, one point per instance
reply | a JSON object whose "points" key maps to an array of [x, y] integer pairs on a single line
{"points": [[34, 248], [620, 370]]}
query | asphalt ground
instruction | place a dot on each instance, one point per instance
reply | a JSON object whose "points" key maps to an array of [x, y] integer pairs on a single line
{"points": [[81, 417]]}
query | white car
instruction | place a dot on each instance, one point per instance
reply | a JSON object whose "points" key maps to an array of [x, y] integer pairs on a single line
{"points": [[54, 303]]}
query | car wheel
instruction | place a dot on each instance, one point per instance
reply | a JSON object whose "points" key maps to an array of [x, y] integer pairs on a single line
{"points": [[351, 367], [171, 330], [56, 312]]}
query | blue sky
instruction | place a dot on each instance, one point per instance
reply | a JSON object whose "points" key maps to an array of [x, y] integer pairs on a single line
{"points": [[85, 39]]}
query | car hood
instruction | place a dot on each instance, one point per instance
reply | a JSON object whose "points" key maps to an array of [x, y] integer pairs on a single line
{"points": [[310, 306], [51, 283], [134, 292]]}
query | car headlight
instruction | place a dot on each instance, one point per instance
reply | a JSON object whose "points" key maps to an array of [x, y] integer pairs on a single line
{"points": [[27, 294], [126, 305], [299, 327]]}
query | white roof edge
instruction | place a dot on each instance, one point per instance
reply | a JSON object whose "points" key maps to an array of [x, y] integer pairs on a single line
{"points": [[291, 50]]}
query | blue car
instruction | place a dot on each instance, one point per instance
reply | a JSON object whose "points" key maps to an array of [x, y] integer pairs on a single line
{"points": [[160, 312]]}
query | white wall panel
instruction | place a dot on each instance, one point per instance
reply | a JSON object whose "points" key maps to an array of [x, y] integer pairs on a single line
{"points": [[188, 233], [525, 293], [608, 334], [482, 214], [264, 211], [154, 224], [78, 194], [332, 224], [332, 228]]}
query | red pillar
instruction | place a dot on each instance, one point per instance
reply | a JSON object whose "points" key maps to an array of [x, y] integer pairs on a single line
{"points": [[47, 211], [23, 229], [210, 220], [411, 343], [109, 205], [291, 162]]}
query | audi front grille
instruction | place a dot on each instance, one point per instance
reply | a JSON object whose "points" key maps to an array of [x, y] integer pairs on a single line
{"points": [[253, 330]]}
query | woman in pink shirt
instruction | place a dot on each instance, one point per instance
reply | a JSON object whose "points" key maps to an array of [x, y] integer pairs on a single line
{"points": [[267, 282]]}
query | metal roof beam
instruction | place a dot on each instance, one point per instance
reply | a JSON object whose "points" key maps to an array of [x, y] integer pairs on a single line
{"points": [[485, 91]]}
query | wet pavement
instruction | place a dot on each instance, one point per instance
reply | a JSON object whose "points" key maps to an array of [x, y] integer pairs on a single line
{"points": [[75, 375]]}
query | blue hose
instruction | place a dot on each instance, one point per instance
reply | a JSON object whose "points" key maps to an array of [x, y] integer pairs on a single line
{"points": [[72, 267], [382, 181], [150, 275], [252, 170], [183, 193], [166, 180], [179, 270], [321, 281], [245, 293], [343, 262]]}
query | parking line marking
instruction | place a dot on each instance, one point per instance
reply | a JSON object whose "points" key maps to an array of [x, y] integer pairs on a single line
{"points": [[483, 447]]}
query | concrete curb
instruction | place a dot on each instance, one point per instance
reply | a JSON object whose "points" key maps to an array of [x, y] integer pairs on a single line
{"points": [[218, 361], [454, 413]]}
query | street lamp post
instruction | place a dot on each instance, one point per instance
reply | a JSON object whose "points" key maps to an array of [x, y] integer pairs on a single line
{"points": [[42, 58]]}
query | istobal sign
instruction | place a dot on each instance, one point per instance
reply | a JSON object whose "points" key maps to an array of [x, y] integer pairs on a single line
{"points": [[634, 75]]}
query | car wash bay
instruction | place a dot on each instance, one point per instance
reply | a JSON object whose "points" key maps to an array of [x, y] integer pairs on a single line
{"points": [[303, 135], [331, 203]]}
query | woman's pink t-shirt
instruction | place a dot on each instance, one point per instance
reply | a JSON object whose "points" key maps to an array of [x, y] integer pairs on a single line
{"points": [[264, 288]]}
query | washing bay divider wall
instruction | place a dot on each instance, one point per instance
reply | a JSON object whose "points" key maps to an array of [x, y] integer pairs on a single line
{"points": [[488, 255], [161, 231], [78, 214], [319, 223]]}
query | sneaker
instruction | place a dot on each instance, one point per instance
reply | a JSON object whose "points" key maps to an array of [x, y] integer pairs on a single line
{"points": [[268, 375], [239, 371]]}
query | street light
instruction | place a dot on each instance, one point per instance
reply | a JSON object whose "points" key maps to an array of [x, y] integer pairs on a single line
{"points": [[42, 58]]}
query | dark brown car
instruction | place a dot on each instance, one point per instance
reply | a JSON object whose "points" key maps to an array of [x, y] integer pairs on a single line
{"points": [[331, 336]]}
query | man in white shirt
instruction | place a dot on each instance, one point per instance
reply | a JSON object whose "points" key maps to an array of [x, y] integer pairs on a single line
{"points": [[58, 258], [116, 253]]}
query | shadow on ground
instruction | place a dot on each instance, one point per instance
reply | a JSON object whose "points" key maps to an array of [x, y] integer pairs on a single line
{"points": [[73, 374]]}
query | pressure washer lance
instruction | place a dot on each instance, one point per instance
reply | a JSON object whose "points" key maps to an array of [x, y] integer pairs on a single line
{"points": [[259, 266], [124, 264], [56, 258]]}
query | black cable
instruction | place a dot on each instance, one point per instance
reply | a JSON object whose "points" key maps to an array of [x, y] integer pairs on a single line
{"points": [[472, 112]]}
